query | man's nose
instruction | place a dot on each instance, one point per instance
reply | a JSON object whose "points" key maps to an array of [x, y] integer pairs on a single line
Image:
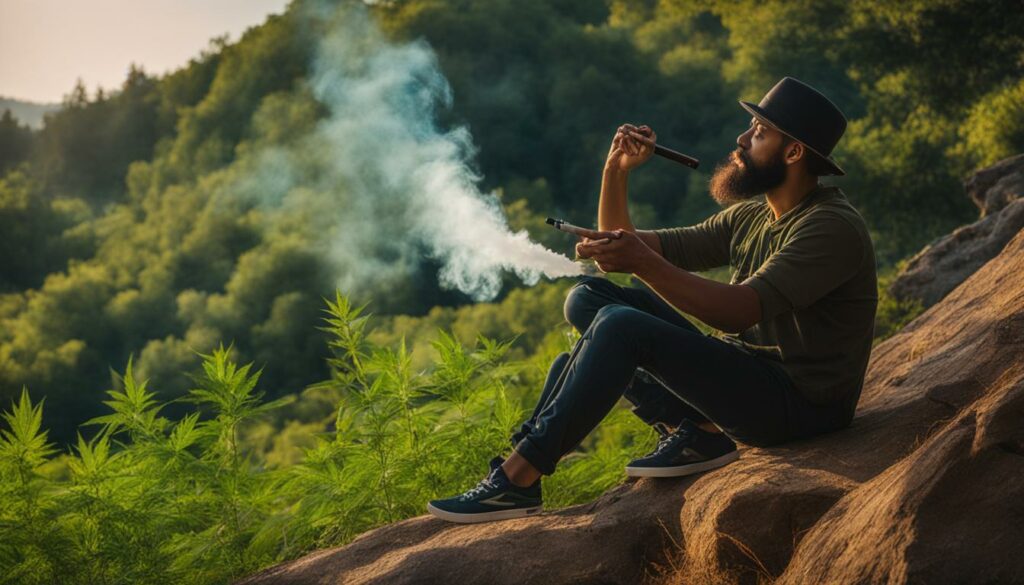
{"points": [[743, 140]]}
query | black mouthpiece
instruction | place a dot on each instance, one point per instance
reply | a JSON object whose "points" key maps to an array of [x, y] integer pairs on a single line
{"points": [[553, 221]]}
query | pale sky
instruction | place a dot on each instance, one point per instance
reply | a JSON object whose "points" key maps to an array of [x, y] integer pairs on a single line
{"points": [[45, 45]]}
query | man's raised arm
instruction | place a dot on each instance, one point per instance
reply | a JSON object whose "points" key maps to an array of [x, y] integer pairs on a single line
{"points": [[625, 154]]}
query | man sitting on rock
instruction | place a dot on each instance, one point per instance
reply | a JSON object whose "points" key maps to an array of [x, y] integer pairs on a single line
{"points": [[798, 315]]}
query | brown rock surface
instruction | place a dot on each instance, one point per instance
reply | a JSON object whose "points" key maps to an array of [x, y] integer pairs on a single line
{"points": [[925, 486], [995, 187], [941, 266], [951, 512]]}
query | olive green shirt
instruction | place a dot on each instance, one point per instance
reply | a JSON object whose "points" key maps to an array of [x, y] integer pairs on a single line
{"points": [[814, 271]]}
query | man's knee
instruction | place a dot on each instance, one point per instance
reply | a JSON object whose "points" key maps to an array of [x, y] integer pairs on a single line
{"points": [[616, 319], [585, 299]]}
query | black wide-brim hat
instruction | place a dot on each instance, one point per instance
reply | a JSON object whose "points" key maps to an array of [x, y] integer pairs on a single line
{"points": [[805, 115]]}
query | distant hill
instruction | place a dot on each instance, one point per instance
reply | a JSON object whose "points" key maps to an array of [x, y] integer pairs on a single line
{"points": [[30, 113]]}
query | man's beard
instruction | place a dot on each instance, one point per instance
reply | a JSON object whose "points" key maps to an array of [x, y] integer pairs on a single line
{"points": [[732, 184]]}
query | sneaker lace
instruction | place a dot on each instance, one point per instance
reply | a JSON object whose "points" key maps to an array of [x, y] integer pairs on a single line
{"points": [[671, 439], [484, 485]]}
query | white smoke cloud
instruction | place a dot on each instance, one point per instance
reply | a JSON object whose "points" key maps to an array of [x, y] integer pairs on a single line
{"points": [[388, 184]]}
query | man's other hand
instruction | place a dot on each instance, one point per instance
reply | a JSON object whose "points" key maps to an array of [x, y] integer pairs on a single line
{"points": [[631, 147], [617, 251]]}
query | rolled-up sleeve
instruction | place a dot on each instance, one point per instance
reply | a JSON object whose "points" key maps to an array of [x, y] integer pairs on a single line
{"points": [[820, 255]]}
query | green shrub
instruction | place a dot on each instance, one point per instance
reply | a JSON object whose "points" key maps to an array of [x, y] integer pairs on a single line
{"points": [[147, 499]]}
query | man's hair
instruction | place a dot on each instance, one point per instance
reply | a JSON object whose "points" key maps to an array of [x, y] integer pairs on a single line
{"points": [[816, 164]]}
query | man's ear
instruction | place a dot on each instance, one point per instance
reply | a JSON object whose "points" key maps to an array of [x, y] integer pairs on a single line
{"points": [[793, 152]]}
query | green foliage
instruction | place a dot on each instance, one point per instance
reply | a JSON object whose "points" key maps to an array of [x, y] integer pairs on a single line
{"points": [[26, 506], [147, 500], [15, 142], [134, 409], [24, 445], [938, 44], [531, 316], [85, 148], [267, 59], [413, 436], [155, 500], [893, 192], [994, 128], [38, 235], [230, 391]]}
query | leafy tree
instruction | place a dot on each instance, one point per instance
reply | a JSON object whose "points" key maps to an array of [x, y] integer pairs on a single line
{"points": [[939, 45], [85, 148], [36, 239], [15, 142]]}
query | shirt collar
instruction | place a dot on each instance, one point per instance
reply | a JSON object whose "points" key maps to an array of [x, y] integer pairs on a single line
{"points": [[816, 193]]}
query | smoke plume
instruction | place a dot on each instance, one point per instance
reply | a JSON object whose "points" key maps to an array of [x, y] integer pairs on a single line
{"points": [[381, 179]]}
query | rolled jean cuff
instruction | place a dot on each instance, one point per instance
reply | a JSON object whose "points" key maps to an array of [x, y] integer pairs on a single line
{"points": [[535, 456], [521, 434]]}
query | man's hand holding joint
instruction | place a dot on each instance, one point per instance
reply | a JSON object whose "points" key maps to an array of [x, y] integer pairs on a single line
{"points": [[616, 251]]}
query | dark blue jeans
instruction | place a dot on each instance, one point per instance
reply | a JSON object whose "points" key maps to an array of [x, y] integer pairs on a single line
{"points": [[636, 345]]}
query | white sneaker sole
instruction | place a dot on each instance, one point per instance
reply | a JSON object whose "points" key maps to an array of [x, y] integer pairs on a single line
{"points": [[483, 516], [680, 470]]}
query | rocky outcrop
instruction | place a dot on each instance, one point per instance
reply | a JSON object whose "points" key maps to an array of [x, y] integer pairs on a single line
{"points": [[941, 266], [926, 486], [952, 511], [995, 187]]}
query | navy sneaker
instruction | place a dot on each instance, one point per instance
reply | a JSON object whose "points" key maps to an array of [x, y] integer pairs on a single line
{"points": [[687, 450], [494, 498]]}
